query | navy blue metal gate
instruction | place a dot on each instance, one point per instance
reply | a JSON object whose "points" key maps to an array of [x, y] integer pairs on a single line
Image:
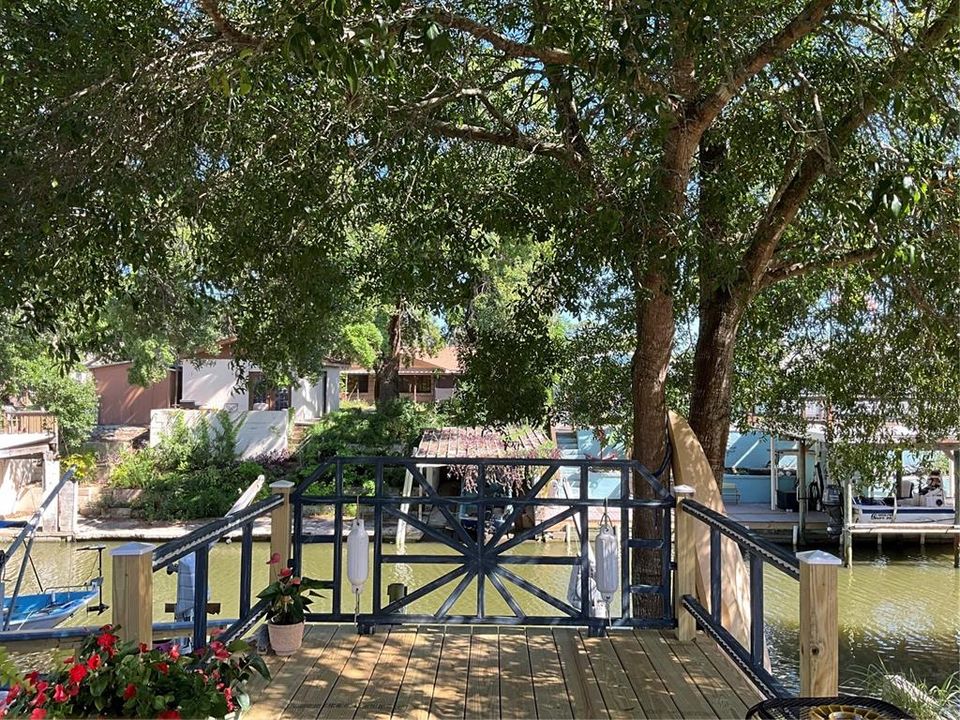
{"points": [[489, 548]]}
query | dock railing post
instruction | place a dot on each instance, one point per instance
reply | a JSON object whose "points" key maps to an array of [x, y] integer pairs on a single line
{"points": [[685, 578], [819, 645], [133, 592], [280, 528]]}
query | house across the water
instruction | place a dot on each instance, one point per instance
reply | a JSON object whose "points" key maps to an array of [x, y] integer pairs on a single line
{"points": [[209, 382], [429, 378]]}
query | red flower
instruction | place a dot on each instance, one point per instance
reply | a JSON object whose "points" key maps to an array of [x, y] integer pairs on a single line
{"points": [[228, 696], [78, 673], [74, 690], [40, 700], [162, 667], [38, 714], [274, 559], [42, 686], [295, 581], [286, 572], [144, 648], [169, 714], [33, 677], [94, 662], [13, 693], [106, 642], [130, 691], [174, 652], [59, 695], [70, 660], [219, 650]]}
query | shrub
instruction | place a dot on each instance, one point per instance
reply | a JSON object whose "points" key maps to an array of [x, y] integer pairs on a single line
{"points": [[84, 465], [135, 469], [108, 679]]}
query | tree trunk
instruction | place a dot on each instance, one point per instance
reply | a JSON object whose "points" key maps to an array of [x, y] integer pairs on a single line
{"points": [[388, 371], [710, 399], [651, 359]]}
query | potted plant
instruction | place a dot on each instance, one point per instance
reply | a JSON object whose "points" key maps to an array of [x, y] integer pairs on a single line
{"points": [[289, 597], [109, 679]]}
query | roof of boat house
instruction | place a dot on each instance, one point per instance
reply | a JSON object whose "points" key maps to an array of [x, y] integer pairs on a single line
{"points": [[445, 362], [474, 442]]}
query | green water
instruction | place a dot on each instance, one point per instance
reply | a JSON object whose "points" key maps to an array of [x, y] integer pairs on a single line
{"points": [[901, 606]]}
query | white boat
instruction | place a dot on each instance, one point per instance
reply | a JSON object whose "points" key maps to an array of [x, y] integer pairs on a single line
{"points": [[916, 502]]}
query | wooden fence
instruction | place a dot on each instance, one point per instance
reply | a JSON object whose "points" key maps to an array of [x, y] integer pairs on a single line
{"points": [[28, 421]]}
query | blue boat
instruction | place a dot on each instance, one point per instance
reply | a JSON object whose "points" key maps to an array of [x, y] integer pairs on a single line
{"points": [[45, 610]]}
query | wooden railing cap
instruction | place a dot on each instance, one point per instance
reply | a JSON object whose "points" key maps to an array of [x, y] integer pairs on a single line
{"points": [[133, 549], [281, 485], [818, 557], [685, 490]]}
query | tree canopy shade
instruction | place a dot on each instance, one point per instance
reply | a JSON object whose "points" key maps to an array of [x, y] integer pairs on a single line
{"points": [[679, 160]]}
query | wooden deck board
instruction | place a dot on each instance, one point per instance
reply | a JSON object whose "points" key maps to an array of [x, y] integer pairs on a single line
{"points": [[419, 677], [449, 692], [714, 687], [687, 697], [517, 699], [582, 687], [649, 687], [315, 688], [433, 673], [381, 694], [549, 690], [483, 682], [615, 687]]}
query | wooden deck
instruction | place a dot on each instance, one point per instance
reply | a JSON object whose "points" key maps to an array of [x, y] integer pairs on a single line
{"points": [[508, 672]]}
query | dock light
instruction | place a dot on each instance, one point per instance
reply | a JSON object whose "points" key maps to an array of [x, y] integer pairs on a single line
{"points": [[358, 547]]}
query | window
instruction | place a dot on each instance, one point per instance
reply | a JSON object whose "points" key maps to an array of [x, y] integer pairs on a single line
{"points": [[264, 393], [422, 383], [358, 384]]}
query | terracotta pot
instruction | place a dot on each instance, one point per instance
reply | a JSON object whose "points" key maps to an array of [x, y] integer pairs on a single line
{"points": [[285, 639]]}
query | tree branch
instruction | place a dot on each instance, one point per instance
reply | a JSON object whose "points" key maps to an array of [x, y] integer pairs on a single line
{"points": [[781, 212], [786, 271], [226, 28], [808, 20], [509, 138]]}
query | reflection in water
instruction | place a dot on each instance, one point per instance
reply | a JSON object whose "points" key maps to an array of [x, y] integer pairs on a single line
{"points": [[901, 607]]}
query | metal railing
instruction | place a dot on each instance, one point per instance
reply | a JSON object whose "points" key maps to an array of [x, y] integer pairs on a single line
{"points": [[818, 625], [476, 544], [198, 543]]}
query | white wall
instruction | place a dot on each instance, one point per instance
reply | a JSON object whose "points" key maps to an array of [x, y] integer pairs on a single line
{"points": [[262, 431], [16, 477], [212, 384]]}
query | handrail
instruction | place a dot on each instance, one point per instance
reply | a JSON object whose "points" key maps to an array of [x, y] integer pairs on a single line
{"points": [[773, 554], [211, 532], [816, 572], [408, 462]]}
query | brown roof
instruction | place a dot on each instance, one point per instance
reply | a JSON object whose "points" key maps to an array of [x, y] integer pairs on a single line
{"points": [[475, 442], [446, 362]]}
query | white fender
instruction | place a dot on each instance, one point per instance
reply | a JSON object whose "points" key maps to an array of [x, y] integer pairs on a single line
{"points": [[358, 558], [607, 572]]}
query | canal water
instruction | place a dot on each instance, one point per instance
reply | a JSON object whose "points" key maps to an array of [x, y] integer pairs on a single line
{"points": [[900, 606]]}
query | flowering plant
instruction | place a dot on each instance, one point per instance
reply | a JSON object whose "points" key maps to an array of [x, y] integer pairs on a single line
{"points": [[289, 596], [108, 679]]}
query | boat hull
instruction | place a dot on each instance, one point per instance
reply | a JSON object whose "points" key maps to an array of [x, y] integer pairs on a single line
{"points": [[43, 611], [942, 515]]}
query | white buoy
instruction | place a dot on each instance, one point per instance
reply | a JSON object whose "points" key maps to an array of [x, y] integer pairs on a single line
{"points": [[358, 559], [606, 552]]}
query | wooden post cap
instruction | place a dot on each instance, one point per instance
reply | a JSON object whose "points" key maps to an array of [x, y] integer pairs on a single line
{"points": [[818, 557], [282, 486], [683, 490], [133, 549]]}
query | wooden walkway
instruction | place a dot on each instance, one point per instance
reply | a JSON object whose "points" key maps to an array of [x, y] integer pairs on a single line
{"points": [[507, 672]]}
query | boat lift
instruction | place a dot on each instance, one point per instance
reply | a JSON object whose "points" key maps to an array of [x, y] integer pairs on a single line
{"points": [[51, 606]]}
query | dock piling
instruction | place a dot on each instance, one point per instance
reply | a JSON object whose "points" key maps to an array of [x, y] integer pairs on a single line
{"points": [[819, 642], [686, 574], [280, 528], [133, 591]]}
